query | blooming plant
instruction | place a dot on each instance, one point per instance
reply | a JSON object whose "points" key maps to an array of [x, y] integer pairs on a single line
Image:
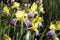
{"points": [[39, 20]]}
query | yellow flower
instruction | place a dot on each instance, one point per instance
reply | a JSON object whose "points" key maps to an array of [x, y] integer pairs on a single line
{"points": [[37, 19], [57, 25], [34, 26], [16, 5], [6, 9], [33, 8], [55, 38], [35, 23], [52, 26], [19, 15], [41, 9], [6, 37]]}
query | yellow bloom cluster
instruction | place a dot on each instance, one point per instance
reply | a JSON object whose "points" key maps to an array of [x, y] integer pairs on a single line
{"points": [[55, 26], [35, 23], [34, 8], [21, 15], [6, 37]]}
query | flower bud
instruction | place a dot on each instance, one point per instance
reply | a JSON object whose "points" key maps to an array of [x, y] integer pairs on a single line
{"points": [[13, 22], [40, 25], [30, 15], [51, 34], [12, 0]]}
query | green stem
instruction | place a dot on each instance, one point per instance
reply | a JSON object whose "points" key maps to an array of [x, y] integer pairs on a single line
{"points": [[21, 31], [43, 34]]}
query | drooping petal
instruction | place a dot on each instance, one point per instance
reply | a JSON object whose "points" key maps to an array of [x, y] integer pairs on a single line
{"points": [[28, 24]]}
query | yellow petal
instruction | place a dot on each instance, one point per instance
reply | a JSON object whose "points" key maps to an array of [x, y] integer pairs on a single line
{"points": [[41, 9], [33, 7], [6, 37], [34, 26], [6, 9], [52, 26], [56, 38], [40, 19], [57, 25]]}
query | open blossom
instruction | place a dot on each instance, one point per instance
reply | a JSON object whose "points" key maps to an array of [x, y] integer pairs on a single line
{"points": [[6, 10], [19, 15], [34, 26], [52, 26], [33, 8], [15, 5], [55, 26], [35, 22], [37, 19]]}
